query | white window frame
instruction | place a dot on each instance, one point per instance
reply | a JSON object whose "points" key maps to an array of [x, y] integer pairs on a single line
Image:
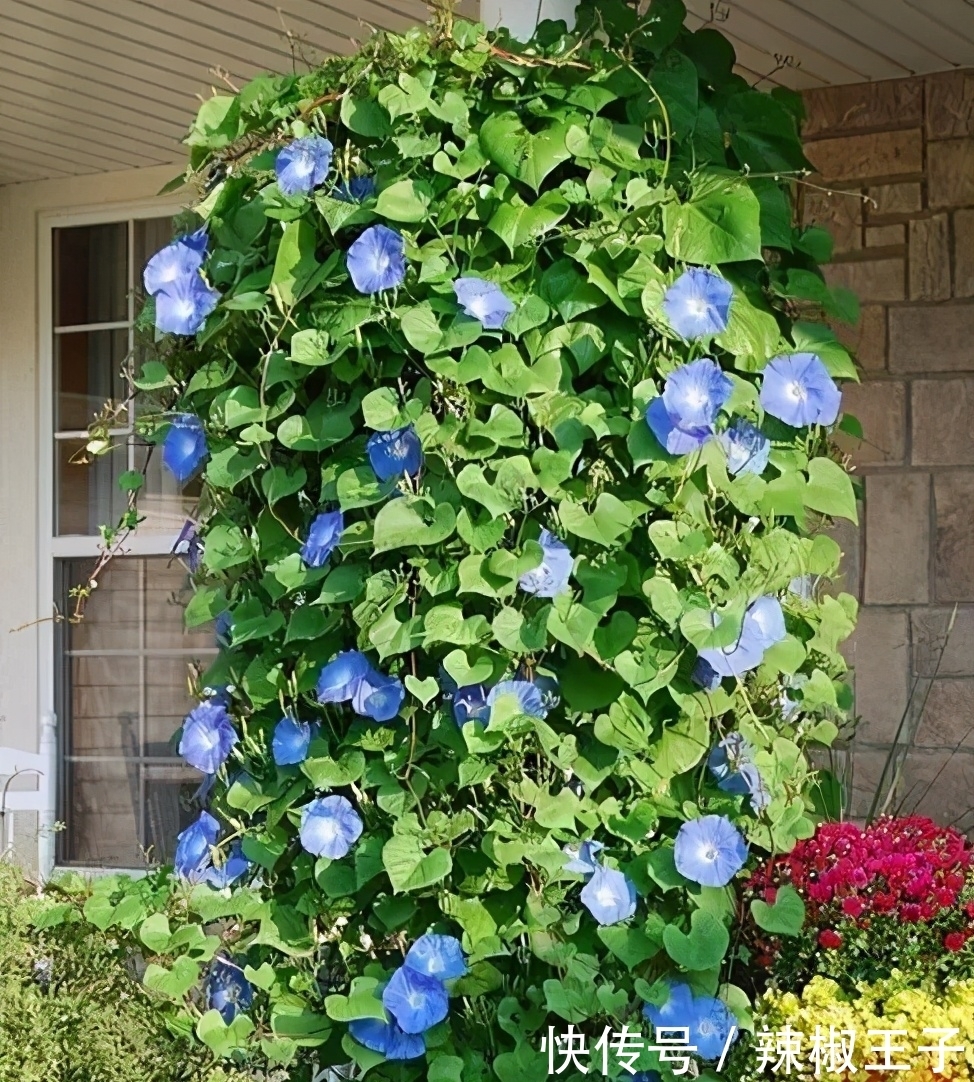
{"points": [[50, 547]]}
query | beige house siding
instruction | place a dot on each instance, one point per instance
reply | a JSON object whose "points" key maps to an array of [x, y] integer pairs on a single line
{"points": [[907, 249]]}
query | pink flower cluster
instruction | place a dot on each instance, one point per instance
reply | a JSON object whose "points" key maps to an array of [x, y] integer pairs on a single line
{"points": [[907, 867]]}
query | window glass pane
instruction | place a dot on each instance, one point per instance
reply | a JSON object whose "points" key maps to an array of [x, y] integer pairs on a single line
{"points": [[124, 692], [90, 274], [163, 504], [88, 495], [88, 372]]}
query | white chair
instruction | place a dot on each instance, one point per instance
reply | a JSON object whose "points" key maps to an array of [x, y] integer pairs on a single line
{"points": [[42, 765]]}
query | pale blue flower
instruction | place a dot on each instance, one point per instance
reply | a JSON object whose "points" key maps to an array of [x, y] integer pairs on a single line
{"points": [[180, 260], [235, 866], [439, 956], [709, 851], [711, 1026], [698, 303], [227, 989], [324, 533], [194, 848], [529, 698], [762, 627], [746, 447], [551, 576], [609, 896], [377, 260], [682, 418], [184, 448], [395, 452], [470, 704], [583, 860], [387, 1039], [416, 1001], [208, 737], [330, 826], [182, 307], [798, 390], [339, 678], [303, 164], [764, 622], [731, 763], [378, 696], [291, 741], [189, 544], [675, 1012], [483, 300]]}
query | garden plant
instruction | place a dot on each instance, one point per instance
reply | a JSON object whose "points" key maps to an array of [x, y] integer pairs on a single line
{"points": [[509, 382]]}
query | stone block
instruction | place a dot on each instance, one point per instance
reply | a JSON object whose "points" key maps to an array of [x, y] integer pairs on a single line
{"points": [[890, 103], [942, 648], [930, 259], [840, 213], [932, 339], [880, 407], [894, 199], [950, 104], [937, 784], [866, 772], [948, 715], [878, 652], [848, 536], [870, 279], [897, 539], [950, 173], [864, 157], [964, 253], [943, 434], [885, 236], [867, 339], [954, 564]]}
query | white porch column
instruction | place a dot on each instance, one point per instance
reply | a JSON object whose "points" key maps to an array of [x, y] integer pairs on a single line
{"points": [[522, 16]]}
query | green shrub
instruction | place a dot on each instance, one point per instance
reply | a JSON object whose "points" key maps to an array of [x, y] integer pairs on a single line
{"points": [[70, 1010]]}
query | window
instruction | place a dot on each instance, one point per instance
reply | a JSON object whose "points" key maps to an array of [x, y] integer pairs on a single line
{"points": [[121, 674]]}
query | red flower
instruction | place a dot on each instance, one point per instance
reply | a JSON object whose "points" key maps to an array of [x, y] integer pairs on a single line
{"points": [[829, 939], [853, 906], [954, 941]]}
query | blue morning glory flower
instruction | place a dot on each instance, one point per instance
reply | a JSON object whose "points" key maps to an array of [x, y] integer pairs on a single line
{"points": [[709, 851], [583, 860], [764, 622], [193, 848], [188, 544], [208, 736], [529, 698], [675, 1012], [182, 259], [470, 704], [387, 1038], [395, 452], [743, 656], [230, 870], [682, 418], [705, 676], [746, 447], [762, 627], [694, 394], [303, 164], [341, 676], [798, 390], [483, 300], [551, 576], [330, 826], [184, 448], [377, 260], [712, 1023], [357, 190], [223, 630], [378, 696], [416, 1001], [291, 741], [731, 763], [698, 303], [182, 307], [609, 896], [228, 990], [324, 534], [439, 956]]}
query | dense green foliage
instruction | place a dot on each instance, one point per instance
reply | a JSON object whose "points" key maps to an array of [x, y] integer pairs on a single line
{"points": [[70, 1008], [582, 173]]}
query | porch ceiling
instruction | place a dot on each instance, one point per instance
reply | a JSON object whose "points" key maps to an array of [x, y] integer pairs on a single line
{"points": [[811, 43]]}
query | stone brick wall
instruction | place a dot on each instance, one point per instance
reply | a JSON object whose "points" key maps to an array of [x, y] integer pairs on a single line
{"points": [[904, 241]]}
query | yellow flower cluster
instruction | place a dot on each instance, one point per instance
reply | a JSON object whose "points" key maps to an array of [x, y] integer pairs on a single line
{"points": [[828, 1035]]}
